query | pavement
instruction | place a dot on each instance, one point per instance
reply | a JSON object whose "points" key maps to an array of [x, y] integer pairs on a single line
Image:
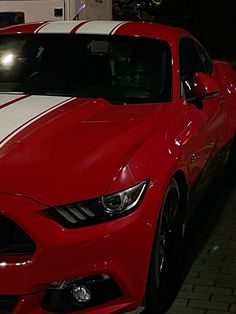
{"points": [[209, 285], [209, 275]]}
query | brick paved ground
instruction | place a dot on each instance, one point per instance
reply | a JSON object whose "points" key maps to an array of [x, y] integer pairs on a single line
{"points": [[210, 283], [209, 280]]}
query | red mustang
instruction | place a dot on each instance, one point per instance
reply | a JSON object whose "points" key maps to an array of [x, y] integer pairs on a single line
{"points": [[109, 134]]}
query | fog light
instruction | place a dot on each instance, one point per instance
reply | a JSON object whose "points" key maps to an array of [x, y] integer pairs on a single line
{"points": [[81, 294], [78, 294]]}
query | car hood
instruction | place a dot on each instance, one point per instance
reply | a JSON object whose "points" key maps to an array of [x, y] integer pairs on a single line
{"points": [[72, 148]]}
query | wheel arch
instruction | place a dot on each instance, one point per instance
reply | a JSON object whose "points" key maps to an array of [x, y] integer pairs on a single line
{"points": [[182, 182], [183, 187], [179, 180]]}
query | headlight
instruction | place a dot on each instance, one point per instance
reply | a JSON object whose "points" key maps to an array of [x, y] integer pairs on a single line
{"points": [[124, 200], [98, 210]]}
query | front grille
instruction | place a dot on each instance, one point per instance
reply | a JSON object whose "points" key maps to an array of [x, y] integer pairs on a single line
{"points": [[7, 303], [14, 240]]}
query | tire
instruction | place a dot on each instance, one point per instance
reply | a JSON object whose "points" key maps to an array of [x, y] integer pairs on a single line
{"points": [[230, 155], [166, 258]]}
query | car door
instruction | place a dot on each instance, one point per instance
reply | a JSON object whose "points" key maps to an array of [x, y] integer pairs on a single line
{"points": [[209, 111]]}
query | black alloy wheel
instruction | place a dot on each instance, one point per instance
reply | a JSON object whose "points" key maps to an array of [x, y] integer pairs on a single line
{"points": [[166, 259]]}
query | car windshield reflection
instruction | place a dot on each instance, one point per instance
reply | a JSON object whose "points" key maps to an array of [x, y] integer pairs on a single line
{"points": [[120, 69]]}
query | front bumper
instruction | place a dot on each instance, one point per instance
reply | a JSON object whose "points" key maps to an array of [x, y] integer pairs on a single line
{"points": [[119, 248]]}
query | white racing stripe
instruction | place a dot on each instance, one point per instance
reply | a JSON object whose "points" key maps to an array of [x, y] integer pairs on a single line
{"points": [[64, 27], [118, 26], [84, 27], [98, 27], [5, 98], [17, 116]]}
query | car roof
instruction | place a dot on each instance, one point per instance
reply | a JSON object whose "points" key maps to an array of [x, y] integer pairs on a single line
{"points": [[128, 28]]}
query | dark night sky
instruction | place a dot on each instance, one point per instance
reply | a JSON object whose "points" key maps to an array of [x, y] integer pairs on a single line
{"points": [[211, 21]]}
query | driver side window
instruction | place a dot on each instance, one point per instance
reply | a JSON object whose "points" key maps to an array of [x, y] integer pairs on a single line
{"points": [[193, 58]]}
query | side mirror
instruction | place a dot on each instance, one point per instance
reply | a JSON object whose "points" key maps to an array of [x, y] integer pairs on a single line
{"points": [[204, 85]]}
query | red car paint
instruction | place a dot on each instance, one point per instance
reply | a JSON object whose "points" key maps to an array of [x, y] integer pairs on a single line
{"points": [[87, 148], [227, 82]]}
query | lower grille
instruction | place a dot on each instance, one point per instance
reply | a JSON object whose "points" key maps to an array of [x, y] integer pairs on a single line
{"points": [[14, 240], [7, 303]]}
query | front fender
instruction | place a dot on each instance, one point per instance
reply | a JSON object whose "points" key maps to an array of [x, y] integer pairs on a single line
{"points": [[154, 159]]}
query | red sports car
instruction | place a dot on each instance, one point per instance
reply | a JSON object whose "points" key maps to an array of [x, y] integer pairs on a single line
{"points": [[109, 134]]}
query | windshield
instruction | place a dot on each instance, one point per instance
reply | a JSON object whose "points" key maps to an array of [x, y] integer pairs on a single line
{"points": [[118, 68]]}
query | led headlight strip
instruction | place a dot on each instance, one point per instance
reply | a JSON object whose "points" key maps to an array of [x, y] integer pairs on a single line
{"points": [[98, 210]]}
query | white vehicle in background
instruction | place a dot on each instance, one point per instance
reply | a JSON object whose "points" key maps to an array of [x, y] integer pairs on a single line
{"points": [[24, 11]]}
